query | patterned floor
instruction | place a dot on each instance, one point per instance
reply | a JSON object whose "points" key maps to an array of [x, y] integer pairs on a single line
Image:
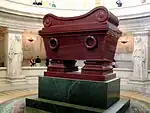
{"points": [[14, 101]]}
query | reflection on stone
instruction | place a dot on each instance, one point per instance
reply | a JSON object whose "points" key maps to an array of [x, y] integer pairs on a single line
{"points": [[18, 105]]}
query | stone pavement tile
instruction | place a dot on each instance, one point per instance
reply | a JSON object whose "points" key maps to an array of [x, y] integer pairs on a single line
{"points": [[8, 95], [136, 95], [11, 94]]}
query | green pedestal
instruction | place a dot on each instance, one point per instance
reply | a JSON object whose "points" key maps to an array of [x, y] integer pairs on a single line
{"points": [[95, 94], [60, 107], [34, 110]]}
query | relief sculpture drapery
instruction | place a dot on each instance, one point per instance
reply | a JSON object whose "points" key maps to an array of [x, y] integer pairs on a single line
{"points": [[11, 54], [15, 55], [139, 56]]}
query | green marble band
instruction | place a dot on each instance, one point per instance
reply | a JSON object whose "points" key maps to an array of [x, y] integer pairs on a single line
{"points": [[98, 94]]}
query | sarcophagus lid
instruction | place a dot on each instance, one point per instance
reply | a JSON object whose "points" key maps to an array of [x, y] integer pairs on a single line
{"points": [[93, 35]]}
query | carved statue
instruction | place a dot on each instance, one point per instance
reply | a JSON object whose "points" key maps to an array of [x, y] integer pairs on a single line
{"points": [[15, 56], [138, 57]]}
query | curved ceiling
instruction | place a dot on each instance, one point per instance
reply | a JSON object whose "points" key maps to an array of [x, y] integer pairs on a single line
{"points": [[12, 6]]}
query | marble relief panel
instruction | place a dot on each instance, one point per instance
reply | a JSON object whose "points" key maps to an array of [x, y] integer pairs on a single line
{"points": [[149, 50]]}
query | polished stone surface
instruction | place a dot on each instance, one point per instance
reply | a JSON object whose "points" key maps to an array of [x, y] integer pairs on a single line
{"points": [[61, 107], [139, 102], [13, 94], [33, 110], [82, 92]]}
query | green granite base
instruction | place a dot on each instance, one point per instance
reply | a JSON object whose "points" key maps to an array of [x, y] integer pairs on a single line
{"points": [[33, 110], [98, 94], [60, 107]]}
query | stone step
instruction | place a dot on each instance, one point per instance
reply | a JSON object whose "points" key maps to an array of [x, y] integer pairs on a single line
{"points": [[61, 107]]}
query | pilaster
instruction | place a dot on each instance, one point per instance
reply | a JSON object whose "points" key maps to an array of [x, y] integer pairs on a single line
{"points": [[14, 57]]}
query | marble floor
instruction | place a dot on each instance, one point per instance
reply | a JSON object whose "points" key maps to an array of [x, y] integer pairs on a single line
{"points": [[13, 101], [13, 94]]}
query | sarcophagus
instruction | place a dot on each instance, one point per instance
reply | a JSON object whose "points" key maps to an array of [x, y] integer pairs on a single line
{"points": [[90, 36]]}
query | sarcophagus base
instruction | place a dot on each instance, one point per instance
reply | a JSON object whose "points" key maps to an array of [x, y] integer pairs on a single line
{"points": [[98, 94], [50, 106]]}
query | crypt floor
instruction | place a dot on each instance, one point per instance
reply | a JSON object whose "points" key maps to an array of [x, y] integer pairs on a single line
{"points": [[13, 101]]}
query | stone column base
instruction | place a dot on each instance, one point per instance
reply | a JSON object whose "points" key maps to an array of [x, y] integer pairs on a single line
{"points": [[2, 80], [19, 80], [140, 86]]}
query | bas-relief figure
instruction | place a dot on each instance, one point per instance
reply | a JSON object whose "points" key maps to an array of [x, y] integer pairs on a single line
{"points": [[139, 56], [15, 56]]}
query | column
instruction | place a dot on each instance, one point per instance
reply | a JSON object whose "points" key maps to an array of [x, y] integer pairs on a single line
{"points": [[14, 57], [140, 80]]}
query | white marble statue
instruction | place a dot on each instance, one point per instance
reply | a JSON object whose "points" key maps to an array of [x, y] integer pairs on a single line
{"points": [[138, 57], [15, 57]]}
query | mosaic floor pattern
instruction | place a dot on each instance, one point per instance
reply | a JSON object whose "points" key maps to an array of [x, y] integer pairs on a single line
{"points": [[14, 102]]}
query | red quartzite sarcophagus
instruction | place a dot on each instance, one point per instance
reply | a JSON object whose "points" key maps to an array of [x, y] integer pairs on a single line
{"points": [[91, 37]]}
